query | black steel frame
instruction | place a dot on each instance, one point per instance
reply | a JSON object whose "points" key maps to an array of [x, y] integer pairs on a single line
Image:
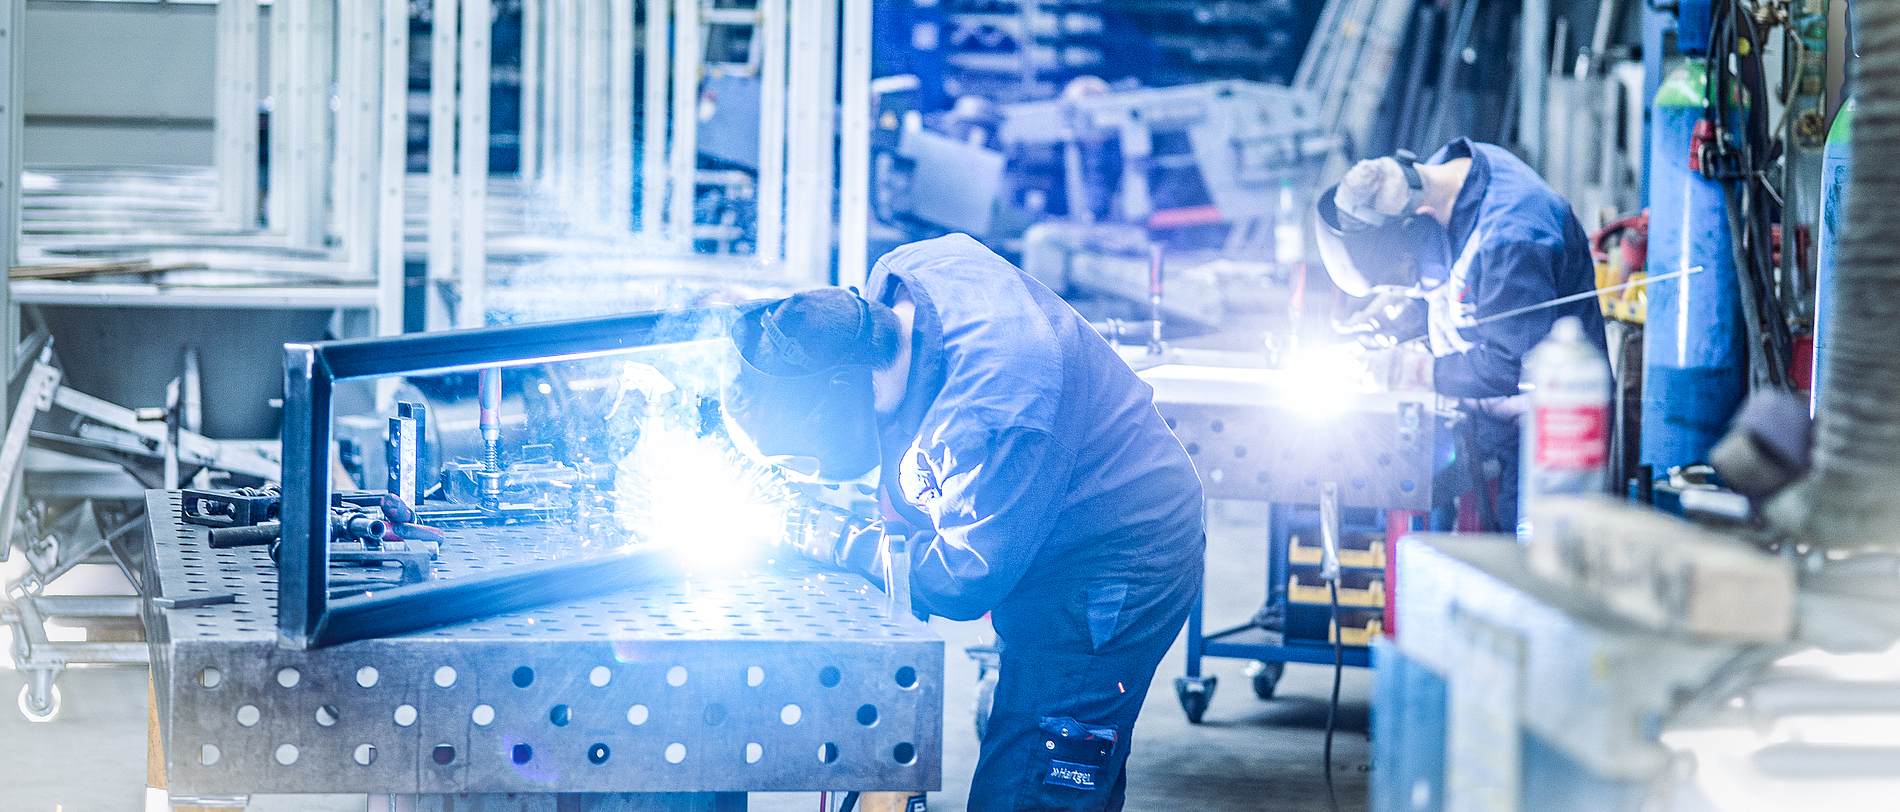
{"points": [[306, 617]]}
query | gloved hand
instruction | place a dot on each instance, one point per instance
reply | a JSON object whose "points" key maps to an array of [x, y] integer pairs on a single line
{"points": [[836, 537], [1391, 319]]}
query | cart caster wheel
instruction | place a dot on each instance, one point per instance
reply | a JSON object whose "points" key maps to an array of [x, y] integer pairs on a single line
{"points": [[1195, 694], [39, 711], [1266, 677]]}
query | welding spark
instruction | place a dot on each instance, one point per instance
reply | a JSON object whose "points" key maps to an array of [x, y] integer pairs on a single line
{"points": [[699, 497], [1326, 378]]}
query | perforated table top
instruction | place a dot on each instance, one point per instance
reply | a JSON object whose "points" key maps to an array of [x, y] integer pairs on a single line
{"points": [[788, 678]]}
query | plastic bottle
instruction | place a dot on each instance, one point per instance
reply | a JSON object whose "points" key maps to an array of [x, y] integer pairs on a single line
{"points": [[1565, 448]]}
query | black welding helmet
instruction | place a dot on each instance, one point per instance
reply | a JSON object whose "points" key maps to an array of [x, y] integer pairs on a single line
{"points": [[1364, 248], [788, 401]]}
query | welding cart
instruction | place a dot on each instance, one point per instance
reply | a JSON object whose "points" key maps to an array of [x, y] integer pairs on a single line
{"points": [[1357, 466]]}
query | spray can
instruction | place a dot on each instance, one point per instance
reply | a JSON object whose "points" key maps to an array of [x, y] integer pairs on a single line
{"points": [[1565, 448]]}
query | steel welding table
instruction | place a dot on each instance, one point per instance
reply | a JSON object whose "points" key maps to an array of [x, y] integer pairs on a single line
{"points": [[788, 679], [1267, 435]]}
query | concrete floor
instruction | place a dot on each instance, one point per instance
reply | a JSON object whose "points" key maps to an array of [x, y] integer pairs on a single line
{"points": [[1248, 754]]}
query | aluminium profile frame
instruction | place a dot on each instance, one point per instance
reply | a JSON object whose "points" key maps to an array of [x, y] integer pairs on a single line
{"points": [[306, 617]]}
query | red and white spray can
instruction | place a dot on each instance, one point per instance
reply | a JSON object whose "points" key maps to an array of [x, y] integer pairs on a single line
{"points": [[1566, 430]]}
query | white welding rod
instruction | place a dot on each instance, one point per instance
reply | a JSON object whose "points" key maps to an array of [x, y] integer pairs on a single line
{"points": [[1584, 295]]}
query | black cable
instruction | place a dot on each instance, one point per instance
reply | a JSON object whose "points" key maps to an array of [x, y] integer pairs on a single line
{"points": [[850, 802], [1332, 707]]}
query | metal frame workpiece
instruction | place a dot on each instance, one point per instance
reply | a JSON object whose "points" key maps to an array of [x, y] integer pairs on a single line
{"points": [[789, 678]]}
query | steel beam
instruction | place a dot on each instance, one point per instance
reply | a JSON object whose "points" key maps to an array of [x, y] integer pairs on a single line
{"points": [[810, 113], [472, 163], [393, 160], [442, 73], [595, 104], [771, 223], [13, 61], [653, 128], [854, 144], [358, 162], [688, 53], [531, 78], [235, 116], [620, 42]]}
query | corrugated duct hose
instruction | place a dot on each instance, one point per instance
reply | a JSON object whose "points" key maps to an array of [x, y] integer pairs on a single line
{"points": [[1850, 500]]}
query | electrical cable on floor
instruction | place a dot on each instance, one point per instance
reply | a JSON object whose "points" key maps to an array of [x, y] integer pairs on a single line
{"points": [[850, 802], [1332, 707]]}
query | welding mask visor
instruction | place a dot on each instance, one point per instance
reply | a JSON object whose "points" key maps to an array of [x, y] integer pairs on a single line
{"points": [[828, 415], [1360, 257]]}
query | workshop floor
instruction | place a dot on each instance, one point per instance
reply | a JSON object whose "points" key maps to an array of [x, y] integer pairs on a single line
{"points": [[1248, 754]]}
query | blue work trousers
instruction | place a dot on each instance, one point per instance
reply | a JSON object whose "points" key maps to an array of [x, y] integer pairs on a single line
{"points": [[1077, 658]]}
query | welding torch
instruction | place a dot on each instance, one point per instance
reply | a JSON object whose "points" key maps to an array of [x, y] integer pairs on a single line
{"points": [[852, 542]]}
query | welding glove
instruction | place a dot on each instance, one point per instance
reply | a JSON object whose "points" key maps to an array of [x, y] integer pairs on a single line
{"points": [[838, 538], [1391, 319]]}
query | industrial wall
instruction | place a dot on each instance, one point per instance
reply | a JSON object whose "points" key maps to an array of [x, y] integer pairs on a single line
{"points": [[120, 82]]}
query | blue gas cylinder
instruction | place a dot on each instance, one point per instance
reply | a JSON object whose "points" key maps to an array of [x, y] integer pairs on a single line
{"points": [[1694, 346], [1837, 159]]}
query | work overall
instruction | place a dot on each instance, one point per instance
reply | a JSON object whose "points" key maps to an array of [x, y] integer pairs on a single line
{"points": [[1042, 487]]}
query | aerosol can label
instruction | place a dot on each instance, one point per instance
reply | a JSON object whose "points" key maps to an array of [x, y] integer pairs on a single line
{"points": [[1573, 438]]}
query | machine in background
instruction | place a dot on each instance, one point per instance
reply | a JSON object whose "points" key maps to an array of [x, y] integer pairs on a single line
{"points": [[1081, 187]]}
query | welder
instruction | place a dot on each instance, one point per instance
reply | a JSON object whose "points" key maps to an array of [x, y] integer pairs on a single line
{"points": [[1038, 482], [1475, 237]]}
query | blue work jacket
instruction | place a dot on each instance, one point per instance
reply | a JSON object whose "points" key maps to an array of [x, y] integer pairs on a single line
{"points": [[1512, 241], [1025, 449]]}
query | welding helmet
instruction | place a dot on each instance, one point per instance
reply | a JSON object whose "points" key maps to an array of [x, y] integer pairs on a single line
{"points": [[786, 403], [1365, 246]]}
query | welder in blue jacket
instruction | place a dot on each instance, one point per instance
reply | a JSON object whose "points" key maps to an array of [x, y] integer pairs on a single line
{"points": [[1477, 235], [1040, 484]]}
